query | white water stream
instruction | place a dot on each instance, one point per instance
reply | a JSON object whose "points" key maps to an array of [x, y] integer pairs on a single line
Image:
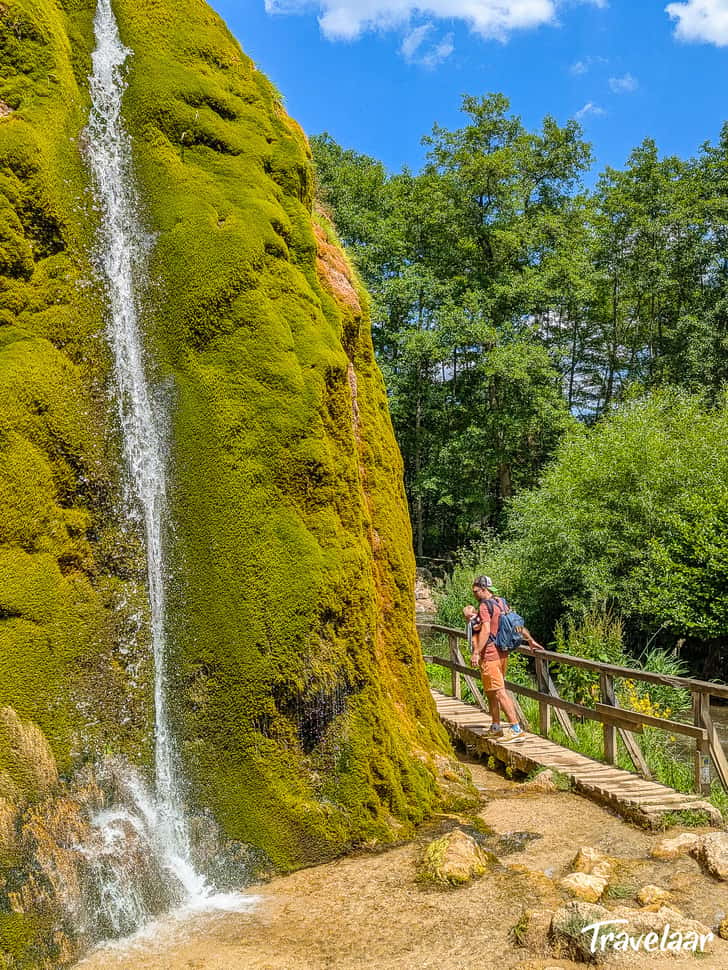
{"points": [[158, 820]]}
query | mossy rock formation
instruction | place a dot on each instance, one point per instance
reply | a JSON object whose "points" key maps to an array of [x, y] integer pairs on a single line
{"points": [[297, 692]]}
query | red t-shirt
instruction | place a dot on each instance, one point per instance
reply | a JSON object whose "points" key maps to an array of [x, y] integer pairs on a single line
{"points": [[489, 629]]}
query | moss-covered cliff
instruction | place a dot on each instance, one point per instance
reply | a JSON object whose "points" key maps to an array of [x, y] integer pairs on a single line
{"points": [[297, 693], [71, 582], [298, 690], [64, 568]]}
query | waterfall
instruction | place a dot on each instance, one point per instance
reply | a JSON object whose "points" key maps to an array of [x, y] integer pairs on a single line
{"points": [[120, 252]]}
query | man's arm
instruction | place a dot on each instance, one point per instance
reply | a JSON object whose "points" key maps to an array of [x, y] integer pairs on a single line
{"points": [[529, 640]]}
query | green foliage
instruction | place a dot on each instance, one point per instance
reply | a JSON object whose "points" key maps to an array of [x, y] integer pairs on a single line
{"points": [[597, 636], [613, 505], [503, 290], [452, 256]]}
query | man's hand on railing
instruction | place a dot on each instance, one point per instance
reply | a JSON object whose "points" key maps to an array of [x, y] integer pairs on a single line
{"points": [[530, 642]]}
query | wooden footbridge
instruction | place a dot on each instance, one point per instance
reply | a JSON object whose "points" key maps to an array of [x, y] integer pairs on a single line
{"points": [[633, 794]]}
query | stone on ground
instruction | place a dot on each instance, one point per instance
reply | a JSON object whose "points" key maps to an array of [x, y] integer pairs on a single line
{"points": [[453, 860], [544, 783], [678, 845], [592, 861], [584, 886], [569, 939], [712, 854], [653, 896]]}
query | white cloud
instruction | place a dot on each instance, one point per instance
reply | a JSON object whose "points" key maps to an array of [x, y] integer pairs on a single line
{"points": [[416, 50], [578, 68], [625, 84], [701, 20], [348, 19], [414, 40], [590, 109]]}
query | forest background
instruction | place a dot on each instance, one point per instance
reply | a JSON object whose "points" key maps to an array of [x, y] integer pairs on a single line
{"points": [[556, 359]]}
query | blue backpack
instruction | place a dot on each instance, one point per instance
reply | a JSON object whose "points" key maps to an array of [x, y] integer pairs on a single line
{"points": [[510, 625]]}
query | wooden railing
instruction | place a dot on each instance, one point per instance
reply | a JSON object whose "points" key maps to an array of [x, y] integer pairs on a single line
{"points": [[616, 720]]}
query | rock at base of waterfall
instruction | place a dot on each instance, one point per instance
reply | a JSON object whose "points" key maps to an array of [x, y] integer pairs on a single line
{"points": [[593, 862], [678, 845], [453, 860], [584, 886], [573, 934], [712, 854], [651, 895]]}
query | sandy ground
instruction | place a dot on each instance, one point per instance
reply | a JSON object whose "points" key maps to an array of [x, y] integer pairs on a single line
{"points": [[367, 911]]}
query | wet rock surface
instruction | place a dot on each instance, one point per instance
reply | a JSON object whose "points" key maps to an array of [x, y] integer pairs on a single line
{"points": [[370, 910]]}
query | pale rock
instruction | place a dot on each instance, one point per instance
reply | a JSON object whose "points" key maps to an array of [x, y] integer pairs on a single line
{"points": [[592, 861], [543, 783], [653, 896], [678, 845], [584, 886], [569, 940], [712, 854]]}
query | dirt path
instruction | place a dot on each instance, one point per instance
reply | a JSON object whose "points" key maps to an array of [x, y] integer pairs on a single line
{"points": [[368, 911]]}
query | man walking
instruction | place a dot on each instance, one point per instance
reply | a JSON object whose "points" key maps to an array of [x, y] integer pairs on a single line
{"points": [[492, 661]]}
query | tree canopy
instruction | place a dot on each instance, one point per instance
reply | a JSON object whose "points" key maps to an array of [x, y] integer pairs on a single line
{"points": [[510, 301]]}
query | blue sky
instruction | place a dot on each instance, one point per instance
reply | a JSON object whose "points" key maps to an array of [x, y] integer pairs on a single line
{"points": [[377, 74]]}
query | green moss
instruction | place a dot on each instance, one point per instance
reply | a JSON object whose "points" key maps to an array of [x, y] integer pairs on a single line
{"points": [[63, 568], [299, 692]]}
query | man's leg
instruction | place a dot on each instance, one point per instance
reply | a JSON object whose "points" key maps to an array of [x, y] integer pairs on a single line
{"points": [[492, 680], [493, 706], [513, 732], [504, 700]]}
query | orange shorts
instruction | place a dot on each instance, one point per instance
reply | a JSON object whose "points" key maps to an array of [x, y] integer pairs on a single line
{"points": [[493, 673]]}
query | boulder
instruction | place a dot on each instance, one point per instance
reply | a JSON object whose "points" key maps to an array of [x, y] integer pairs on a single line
{"points": [[678, 845], [712, 854], [574, 935], [453, 860], [584, 886], [653, 896], [567, 936], [592, 861]]}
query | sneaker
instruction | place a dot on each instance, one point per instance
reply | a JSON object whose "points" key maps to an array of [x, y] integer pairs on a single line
{"points": [[495, 730], [510, 736]]}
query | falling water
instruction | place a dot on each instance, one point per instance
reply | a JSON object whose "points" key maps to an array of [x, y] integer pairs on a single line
{"points": [[120, 253]]}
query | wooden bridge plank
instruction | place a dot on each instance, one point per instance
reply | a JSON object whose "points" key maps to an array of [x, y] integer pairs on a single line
{"points": [[635, 797]]}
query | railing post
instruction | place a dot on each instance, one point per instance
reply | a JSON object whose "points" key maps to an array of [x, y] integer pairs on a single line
{"points": [[455, 657], [542, 680], [606, 686], [702, 748]]}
